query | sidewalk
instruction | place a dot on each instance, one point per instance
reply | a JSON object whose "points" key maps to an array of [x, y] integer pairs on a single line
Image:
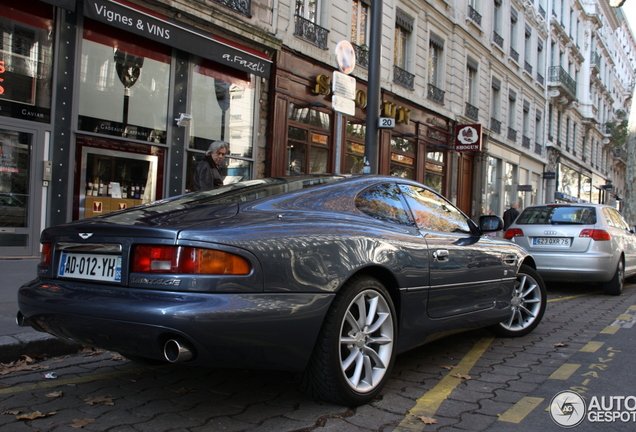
{"points": [[15, 340]]}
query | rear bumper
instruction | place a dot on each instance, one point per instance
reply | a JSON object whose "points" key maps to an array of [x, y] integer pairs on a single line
{"points": [[268, 331], [584, 267]]}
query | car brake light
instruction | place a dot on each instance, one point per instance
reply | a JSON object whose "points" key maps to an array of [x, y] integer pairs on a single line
{"points": [[595, 234], [513, 232], [187, 260], [45, 255]]}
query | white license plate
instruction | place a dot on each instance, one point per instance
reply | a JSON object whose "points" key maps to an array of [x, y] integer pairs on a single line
{"points": [[552, 241], [89, 266]]}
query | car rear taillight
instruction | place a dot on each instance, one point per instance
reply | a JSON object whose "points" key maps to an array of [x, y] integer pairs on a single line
{"points": [[187, 260], [596, 234], [513, 232], [45, 255]]}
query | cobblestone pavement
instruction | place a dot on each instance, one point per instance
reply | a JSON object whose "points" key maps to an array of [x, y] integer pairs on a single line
{"points": [[101, 391]]}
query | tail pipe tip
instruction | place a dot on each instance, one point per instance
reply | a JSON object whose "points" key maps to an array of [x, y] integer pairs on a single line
{"points": [[21, 320], [176, 351]]}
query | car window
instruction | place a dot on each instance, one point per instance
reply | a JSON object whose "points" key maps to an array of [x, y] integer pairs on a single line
{"points": [[383, 202], [557, 215], [432, 212], [615, 219]]}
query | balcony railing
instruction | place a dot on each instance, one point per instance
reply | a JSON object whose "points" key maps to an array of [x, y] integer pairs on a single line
{"points": [[558, 75], [435, 94], [528, 67], [498, 39], [403, 78], [512, 134], [514, 54], [538, 149], [243, 7], [495, 125], [474, 15], [311, 32], [362, 55], [540, 78], [525, 141], [471, 111]]}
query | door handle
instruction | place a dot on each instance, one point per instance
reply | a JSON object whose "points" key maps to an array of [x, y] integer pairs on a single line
{"points": [[441, 255]]}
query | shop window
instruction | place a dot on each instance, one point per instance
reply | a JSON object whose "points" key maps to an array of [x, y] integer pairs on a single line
{"points": [[493, 182], [354, 151], [124, 84], [402, 157], [222, 108], [26, 60], [435, 158], [510, 180], [114, 177], [308, 141]]}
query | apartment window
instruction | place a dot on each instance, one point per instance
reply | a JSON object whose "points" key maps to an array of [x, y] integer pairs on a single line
{"points": [[512, 115], [472, 111], [513, 35], [496, 20], [308, 9], [527, 50], [435, 57], [359, 20], [403, 29], [540, 62], [538, 132], [526, 124], [550, 122], [567, 133], [495, 106], [574, 139]]}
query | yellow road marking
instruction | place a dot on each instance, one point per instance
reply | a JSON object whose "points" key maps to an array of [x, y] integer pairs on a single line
{"points": [[61, 382], [428, 404], [565, 371], [632, 307], [625, 317], [592, 347], [573, 297], [520, 410], [610, 330]]}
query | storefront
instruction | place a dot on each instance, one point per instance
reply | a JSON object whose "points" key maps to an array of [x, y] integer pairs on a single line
{"points": [[106, 105], [309, 136]]}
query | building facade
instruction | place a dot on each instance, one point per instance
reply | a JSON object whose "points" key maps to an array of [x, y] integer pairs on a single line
{"points": [[108, 104]]}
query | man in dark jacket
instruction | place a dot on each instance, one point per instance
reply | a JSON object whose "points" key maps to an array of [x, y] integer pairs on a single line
{"points": [[207, 174], [511, 214]]}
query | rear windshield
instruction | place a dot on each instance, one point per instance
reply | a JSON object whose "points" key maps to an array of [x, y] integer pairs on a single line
{"points": [[573, 215]]}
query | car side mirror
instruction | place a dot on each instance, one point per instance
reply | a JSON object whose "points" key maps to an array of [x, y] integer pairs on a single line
{"points": [[490, 223]]}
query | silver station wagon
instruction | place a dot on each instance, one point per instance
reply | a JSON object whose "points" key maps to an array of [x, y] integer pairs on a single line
{"points": [[578, 243]]}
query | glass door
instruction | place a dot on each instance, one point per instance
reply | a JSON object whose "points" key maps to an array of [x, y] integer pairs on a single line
{"points": [[18, 212]]}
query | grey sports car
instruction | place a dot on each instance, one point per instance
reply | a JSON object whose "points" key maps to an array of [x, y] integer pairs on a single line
{"points": [[329, 276]]}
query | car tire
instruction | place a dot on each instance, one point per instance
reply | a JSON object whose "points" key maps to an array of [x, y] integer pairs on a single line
{"points": [[615, 285], [355, 351], [527, 306]]}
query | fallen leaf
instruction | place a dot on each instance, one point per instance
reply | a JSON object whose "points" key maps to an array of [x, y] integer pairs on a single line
{"points": [[80, 423], [104, 400], [90, 351], [54, 394], [11, 412], [26, 363], [428, 420], [558, 345], [116, 356], [34, 415], [468, 377], [448, 367]]}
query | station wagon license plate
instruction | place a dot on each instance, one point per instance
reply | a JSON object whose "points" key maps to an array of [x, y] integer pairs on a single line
{"points": [[89, 266], [552, 241]]}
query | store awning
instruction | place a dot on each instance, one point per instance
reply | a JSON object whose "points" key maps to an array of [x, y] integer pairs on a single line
{"points": [[164, 30]]}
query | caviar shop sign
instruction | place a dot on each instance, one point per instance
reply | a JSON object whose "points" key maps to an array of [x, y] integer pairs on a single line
{"points": [[177, 35]]}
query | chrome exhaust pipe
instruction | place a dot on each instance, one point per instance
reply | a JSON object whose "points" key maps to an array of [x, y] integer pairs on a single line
{"points": [[21, 320], [176, 351]]}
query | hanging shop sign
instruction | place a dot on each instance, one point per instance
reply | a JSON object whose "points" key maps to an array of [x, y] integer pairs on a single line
{"points": [[468, 137], [177, 35]]}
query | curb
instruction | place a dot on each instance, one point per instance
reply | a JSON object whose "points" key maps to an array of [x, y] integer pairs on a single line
{"points": [[34, 344]]}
